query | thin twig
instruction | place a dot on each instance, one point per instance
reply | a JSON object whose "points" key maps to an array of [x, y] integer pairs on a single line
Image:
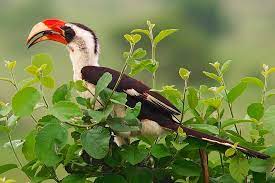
{"points": [[94, 97], [222, 163], [13, 150], [121, 72], [79, 126], [43, 96], [13, 80], [153, 55], [183, 100], [264, 90], [228, 103]]}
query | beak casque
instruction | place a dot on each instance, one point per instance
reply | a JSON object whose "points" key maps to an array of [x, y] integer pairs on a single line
{"points": [[50, 29]]}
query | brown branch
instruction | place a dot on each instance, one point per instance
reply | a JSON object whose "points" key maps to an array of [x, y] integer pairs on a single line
{"points": [[204, 165]]}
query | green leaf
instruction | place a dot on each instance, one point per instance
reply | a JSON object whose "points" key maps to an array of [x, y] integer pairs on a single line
{"points": [[62, 93], [205, 128], [134, 154], [74, 178], [29, 145], [150, 25], [120, 125], [270, 93], [71, 153], [256, 111], [160, 151], [184, 73], [253, 80], [230, 152], [48, 81], [236, 91], [226, 179], [111, 178], [136, 38], [139, 53], [269, 71], [24, 101], [7, 167], [28, 82], [269, 119], [96, 142], [138, 175], [132, 114], [259, 165], [117, 97], [43, 59], [49, 119], [32, 69], [163, 34], [49, 140], [183, 167], [259, 177], [102, 83], [213, 76], [230, 122], [138, 66], [129, 38], [10, 65], [216, 65], [66, 111], [4, 129], [99, 116], [80, 86], [146, 32], [192, 97], [83, 101], [225, 66], [238, 168], [179, 146]]}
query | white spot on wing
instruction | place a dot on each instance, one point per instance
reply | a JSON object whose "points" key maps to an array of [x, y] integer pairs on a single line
{"points": [[132, 92], [160, 103], [223, 143]]}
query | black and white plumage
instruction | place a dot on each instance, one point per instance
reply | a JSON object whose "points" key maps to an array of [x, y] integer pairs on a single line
{"points": [[156, 113], [154, 106]]}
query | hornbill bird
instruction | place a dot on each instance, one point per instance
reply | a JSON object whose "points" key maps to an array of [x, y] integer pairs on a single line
{"points": [[156, 114]]}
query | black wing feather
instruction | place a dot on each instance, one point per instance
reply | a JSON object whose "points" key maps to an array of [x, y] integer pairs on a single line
{"points": [[156, 108], [92, 74]]}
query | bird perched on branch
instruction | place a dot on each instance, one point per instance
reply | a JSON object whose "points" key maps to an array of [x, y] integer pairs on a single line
{"points": [[156, 112]]}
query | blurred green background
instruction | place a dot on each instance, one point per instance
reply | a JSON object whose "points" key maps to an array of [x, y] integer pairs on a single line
{"points": [[210, 30]]}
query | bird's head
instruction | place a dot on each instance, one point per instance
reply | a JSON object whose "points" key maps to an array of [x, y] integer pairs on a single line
{"points": [[80, 40]]}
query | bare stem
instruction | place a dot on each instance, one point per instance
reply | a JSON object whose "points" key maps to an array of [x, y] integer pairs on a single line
{"points": [[183, 100], [230, 106], [122, 72], [219, 120], [153, 52], [222, 162], [13, 150], [264, 90], [204, 165], [13, 80], [79, 126], [43, 96]]}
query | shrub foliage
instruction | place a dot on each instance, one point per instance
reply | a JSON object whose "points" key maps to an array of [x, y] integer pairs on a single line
{"points": [[76, 135]]}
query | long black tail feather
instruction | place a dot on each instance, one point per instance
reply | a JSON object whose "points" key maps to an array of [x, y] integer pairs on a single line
{"points": [[217, 141]]}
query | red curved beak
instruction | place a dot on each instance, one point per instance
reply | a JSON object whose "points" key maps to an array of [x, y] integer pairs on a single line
{"points": [[49, 29]]}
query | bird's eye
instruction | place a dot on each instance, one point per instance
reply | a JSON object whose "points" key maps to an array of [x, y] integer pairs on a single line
{"points": [[68, 33]]}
